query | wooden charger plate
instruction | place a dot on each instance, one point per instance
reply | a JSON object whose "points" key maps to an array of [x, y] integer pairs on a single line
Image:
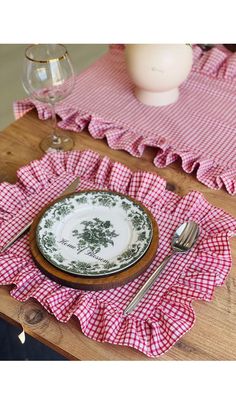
{"points": [[93, 283]]}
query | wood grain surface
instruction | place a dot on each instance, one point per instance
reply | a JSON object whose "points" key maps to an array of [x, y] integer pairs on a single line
{"points": [[213, 336]]}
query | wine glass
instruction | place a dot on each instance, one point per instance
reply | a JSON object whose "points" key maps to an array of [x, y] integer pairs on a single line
{"points": [[48, 76]]}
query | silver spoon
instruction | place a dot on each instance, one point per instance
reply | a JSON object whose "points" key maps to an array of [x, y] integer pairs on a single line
{"points": [[183, 240]]}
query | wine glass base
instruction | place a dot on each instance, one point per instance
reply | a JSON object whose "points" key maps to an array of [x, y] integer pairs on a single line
{"points": [[52, 145]]}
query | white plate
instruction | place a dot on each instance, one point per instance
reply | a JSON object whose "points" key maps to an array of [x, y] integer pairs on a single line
{"points": [[94, 233]]}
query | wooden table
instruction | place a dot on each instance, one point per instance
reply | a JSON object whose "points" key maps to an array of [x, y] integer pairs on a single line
{"points": [[213, 336]]}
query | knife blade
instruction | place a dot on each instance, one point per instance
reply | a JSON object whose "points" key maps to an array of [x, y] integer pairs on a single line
{"points": [[69, 189]]}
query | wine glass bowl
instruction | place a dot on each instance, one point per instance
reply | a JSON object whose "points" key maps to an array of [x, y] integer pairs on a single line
{"points": [[48, 77]]}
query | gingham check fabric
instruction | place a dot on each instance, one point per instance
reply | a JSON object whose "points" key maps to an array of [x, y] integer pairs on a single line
{"points": [[166, 312], [199, 129]]}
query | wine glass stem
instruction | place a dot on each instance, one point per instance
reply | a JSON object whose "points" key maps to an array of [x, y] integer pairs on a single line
{"points": [[55, 137]]}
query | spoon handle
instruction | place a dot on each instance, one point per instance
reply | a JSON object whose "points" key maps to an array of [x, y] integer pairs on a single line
{"points": [[148, 284]]}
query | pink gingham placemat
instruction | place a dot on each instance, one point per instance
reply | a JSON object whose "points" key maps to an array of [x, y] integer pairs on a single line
{"points": [[166, 313], [199, 129]]}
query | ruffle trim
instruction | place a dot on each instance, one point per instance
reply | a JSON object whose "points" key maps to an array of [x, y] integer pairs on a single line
{"points": [[173, 314], [217, 62], [208, 171]]}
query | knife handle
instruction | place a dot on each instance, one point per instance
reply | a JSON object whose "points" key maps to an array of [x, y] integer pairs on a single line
{"points": [[146, 287], [16, 237]]}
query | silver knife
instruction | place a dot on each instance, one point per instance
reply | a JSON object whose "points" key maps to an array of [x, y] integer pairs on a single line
{"points": [[71, 188]]}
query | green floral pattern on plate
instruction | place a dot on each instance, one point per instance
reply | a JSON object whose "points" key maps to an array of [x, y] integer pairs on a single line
{"points": [[94, 233]]}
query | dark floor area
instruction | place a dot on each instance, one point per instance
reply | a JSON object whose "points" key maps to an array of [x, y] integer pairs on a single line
{"points": [[11, 349]]}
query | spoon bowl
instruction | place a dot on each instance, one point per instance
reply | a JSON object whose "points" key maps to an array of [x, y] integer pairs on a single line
{"points": [[185, 237]]}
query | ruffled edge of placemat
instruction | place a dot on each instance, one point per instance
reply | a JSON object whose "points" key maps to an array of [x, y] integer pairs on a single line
{"points": [[98, 320], [217, 63], [208, 171]]}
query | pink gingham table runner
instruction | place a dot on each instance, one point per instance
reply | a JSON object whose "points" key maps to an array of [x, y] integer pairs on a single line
{"points": [[166, 313], [199, 129]]}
